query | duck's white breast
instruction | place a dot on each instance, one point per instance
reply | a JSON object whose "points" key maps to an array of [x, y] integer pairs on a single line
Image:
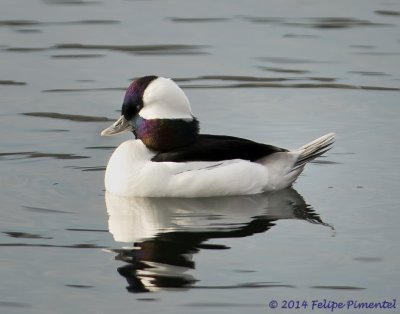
{"points": [[130, 172]]}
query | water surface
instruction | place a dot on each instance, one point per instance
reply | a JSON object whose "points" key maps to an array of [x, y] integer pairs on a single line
{"points": [[272, 71]]}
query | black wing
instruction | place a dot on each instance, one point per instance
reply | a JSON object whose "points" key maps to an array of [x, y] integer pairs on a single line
{"points": [[217, 148]]}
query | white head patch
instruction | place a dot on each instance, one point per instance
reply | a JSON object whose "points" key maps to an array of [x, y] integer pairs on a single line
{"points": [[164, 99]]}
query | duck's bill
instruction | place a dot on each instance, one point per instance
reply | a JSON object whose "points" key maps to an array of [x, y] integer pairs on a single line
{"points": [[120, 126]]}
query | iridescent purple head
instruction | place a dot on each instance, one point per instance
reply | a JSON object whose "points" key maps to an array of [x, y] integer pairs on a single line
{"points": [[133, 101], [158, 112]]}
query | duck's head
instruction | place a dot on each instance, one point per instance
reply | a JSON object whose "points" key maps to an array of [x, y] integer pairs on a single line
{"points": [[158, 113]]}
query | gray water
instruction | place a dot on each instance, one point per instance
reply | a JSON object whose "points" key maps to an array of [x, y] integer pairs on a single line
{"points": [[279, 72]]}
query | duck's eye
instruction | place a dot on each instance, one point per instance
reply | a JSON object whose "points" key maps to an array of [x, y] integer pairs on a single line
{"points": [[129, 109]]}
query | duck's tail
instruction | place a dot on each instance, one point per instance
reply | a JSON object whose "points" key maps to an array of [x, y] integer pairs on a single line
{"points": [[313, 150]]}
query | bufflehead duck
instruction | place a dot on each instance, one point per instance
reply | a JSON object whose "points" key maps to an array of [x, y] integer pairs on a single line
{"points": [[170, 158]]}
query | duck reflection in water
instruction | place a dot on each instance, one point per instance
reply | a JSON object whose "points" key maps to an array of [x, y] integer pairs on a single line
{"points": [[167, 232]]}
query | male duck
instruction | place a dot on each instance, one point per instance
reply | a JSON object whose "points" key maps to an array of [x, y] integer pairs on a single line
{"points": [[169, 158]]}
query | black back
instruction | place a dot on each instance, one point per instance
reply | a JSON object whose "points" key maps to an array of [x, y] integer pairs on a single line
{"points": [[218, 148]]}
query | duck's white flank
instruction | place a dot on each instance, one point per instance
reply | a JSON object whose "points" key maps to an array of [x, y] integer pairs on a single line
{"points": [[130, 172]]}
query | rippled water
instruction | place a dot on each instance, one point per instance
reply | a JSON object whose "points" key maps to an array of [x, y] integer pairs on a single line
{"points": [[280, 72]]}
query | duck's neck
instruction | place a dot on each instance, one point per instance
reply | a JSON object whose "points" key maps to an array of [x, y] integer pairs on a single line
{"points": [[165, 134]]}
